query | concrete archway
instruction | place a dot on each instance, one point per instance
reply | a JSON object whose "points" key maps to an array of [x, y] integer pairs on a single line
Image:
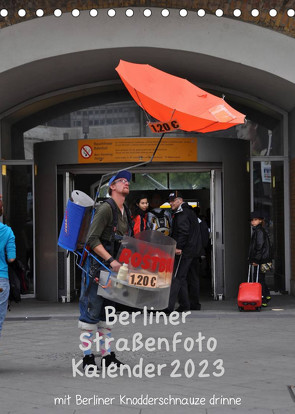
{"points": [[50, 61], [45, 56]]}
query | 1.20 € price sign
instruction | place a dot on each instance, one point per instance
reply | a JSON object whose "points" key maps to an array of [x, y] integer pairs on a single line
{"points": [[137, 279], [163, 127]]}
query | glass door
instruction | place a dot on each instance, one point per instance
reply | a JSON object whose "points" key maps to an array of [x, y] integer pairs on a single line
{"points": [[268, 190], [216, 235]]}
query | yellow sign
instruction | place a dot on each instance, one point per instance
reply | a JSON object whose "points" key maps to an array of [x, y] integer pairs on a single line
{"points": [[136, 150]]}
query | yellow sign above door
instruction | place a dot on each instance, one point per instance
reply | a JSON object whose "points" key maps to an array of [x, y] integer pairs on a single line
{"points": [[136, 150]]}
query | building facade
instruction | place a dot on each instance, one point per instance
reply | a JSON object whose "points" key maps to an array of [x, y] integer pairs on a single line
{"points": [[59, 87]]}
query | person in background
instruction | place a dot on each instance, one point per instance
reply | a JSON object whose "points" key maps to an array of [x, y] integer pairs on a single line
{"points": [[260, 251], [7, 254], [140, 214], [187, 234]]}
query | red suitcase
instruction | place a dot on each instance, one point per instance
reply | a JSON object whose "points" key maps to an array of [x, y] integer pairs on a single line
{"points": [[250, 293]]}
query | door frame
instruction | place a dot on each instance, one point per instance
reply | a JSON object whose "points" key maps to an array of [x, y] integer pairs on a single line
{"points": [[69, 268], [34, 172], [217, 241], [287, 230]]}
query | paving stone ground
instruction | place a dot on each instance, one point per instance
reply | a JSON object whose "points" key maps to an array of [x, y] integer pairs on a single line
{"points": [[40, 341]]}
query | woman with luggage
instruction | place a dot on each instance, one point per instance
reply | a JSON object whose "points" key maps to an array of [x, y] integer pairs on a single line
{"points": [[260, 252], [140, 214]]}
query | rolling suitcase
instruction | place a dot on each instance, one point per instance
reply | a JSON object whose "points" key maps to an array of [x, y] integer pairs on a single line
{"points": [[250, 293]]}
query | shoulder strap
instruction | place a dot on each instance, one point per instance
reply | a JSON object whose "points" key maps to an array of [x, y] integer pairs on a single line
{"points": [[113, 205]]}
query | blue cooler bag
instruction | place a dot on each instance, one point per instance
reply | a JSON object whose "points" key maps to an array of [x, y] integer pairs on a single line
{"points": [[69, 233]]}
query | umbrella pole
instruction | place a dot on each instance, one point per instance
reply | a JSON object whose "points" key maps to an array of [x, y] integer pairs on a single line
{"points": [[128, 168], [111, 174]]}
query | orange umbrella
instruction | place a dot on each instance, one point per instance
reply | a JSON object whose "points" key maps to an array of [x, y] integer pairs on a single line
{"points": [[176, 101]]}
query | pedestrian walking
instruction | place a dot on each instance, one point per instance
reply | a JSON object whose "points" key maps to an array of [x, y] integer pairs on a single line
{"points": [[7, 254]]}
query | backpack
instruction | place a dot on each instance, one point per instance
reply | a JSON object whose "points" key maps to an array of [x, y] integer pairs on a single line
{"points": [[16, 275], [113, 246], [115, 241], [160, 220]]}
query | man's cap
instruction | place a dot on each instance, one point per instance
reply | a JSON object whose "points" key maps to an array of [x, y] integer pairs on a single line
{"points": [[121, 174], [174, 195], [256, 214]]}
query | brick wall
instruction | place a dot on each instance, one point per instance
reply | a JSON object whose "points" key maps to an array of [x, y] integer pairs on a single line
{"points": [[281, 23]]}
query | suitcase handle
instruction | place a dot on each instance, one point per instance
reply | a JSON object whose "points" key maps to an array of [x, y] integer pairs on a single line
{"points": [[252, 267]]}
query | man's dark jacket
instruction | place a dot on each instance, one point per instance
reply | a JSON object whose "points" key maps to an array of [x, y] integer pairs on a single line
{"points": [[186, 231], [260, 247]]}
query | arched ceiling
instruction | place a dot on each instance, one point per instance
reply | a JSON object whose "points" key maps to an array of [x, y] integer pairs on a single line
{"points": [[57, 73], [90, 83], [28, 87]]}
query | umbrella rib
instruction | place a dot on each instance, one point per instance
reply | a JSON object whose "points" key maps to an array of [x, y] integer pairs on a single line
{"points": [[172, 113], [146, 114], [207, 126]]}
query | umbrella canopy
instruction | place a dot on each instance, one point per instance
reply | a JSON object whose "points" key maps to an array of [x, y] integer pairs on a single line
{"points": [[166, 97]]}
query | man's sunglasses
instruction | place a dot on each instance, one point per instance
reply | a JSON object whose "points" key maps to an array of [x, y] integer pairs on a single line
{"points": [[122, 180]]}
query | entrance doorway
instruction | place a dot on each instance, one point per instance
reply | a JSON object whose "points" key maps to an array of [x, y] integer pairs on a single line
{"points": [[231, 187], [201, 189]]}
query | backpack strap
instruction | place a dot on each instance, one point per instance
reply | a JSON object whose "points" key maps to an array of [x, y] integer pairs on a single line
{"points": [[113, 206]]}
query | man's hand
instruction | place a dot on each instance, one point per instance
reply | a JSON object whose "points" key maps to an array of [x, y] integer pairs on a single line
{"points": [[101, 251], [178, 252], [115, 266]]}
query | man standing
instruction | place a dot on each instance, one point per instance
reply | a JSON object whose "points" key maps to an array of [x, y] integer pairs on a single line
{"points": [[186, 232], [104, 240], [7, 253]]}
